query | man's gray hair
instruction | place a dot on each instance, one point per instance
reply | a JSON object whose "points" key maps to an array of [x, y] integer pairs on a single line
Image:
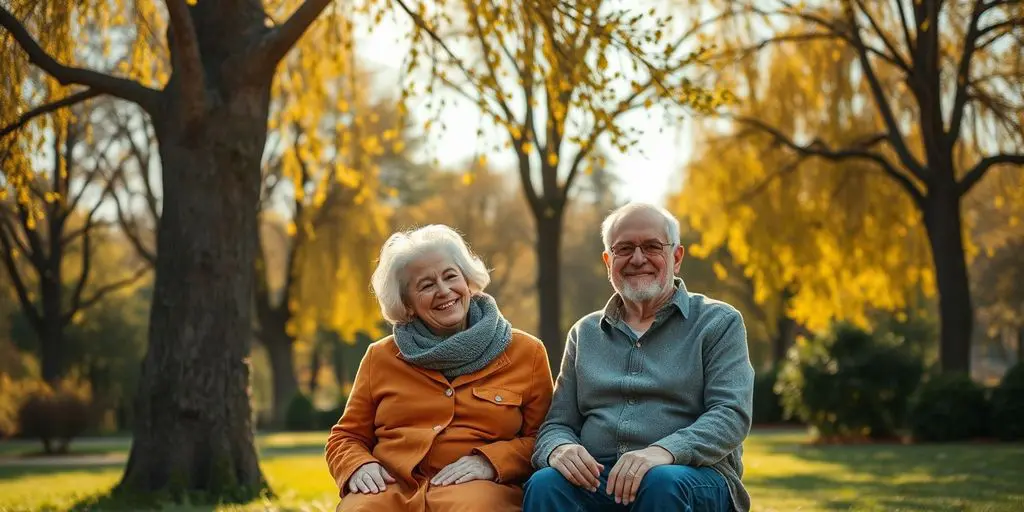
{"points": [[389, 279], [671, 223]]}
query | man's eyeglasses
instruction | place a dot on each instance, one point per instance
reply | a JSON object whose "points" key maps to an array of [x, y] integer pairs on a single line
{"points": [[650, 248]]}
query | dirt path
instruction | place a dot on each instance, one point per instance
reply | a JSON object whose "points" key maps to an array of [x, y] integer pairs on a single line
{"points": [[99, 451], [86, 460]]}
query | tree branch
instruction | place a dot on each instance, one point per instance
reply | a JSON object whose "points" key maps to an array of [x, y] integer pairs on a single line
{"points": [[67, 101], [20, 289], [276, 44], [188, 65], [481, 37], [104, 291], [7, 222], [820, 149], [963, 70], [148, 99], [836, 31], [975, 174], [896, 57], [905, 26], [893, 127], [1010, 24], [83, 277]]}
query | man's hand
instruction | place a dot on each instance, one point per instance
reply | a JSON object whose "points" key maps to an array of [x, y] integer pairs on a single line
{"points": [[470, 467], [370, 478], [576, 465], [624, 478]]}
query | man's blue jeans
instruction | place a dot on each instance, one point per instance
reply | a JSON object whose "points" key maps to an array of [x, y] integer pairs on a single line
{"points": [[663, 488]]}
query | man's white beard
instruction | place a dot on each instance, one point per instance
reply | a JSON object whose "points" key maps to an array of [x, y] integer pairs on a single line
{"points": [[641, 294]]}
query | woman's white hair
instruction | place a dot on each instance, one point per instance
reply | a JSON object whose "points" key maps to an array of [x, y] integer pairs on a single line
{"points": [[389, 279], [671, 223]]}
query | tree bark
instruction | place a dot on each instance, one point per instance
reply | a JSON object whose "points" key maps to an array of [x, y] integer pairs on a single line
{"points": [[281, 350], [549, 283], [193, 431], [784, 338], [943, 224], [1020, 345], [314, 369], [51, 332]]}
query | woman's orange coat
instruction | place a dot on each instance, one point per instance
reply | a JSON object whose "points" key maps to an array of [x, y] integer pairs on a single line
{"points": [[414, 422]]}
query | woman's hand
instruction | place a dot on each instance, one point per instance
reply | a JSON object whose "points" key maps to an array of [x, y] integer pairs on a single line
{"points": [[468, 468], [370, 478]]}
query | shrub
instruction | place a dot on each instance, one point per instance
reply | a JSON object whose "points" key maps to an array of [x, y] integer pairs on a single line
{"points": [[949, 407], [849, 383], [55, 417], [1008, 405], [300, 414], [767, 404], [13, 393], [328, 418]]}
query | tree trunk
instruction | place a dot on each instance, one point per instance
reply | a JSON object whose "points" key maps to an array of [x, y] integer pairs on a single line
{"points": [[281, 350], [51, 340], [942, 221], [314, 370], [193, 427], [549, 284], [1020, 345], [51, 332], [784, 338]]}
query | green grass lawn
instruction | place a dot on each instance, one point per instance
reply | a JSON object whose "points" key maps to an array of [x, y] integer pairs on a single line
{"points": [[783, 473]]}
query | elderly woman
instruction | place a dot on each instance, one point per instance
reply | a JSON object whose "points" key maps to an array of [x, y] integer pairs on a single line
{"points": [[443, 413]]}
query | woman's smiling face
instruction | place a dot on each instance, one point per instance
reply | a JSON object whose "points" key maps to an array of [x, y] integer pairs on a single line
{"points": [[437, 292]]}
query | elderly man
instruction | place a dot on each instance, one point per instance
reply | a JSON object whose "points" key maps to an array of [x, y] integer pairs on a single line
{"points": [[654, 397]]}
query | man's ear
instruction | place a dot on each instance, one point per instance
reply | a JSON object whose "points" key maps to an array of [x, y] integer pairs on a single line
{"points": [[677, 256], [607, 259]]}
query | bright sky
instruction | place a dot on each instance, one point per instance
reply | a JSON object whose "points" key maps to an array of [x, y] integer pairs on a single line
{"points": [[649, 172]]}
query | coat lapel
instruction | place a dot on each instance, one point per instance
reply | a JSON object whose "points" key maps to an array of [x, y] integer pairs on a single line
{"points": [[499, 362]]}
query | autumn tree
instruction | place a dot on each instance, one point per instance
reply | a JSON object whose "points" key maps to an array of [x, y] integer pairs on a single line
{"points": [[799, 230], [328, 137], [557, 80], [48, 241], [936, 83]]}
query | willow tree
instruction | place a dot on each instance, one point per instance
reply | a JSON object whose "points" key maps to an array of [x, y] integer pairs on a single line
{"points": [[327, 137], [815, 246], [557, 79], [940, 81]]}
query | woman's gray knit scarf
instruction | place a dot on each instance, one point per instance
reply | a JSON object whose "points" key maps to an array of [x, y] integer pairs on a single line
{"points": [[486, 335]]}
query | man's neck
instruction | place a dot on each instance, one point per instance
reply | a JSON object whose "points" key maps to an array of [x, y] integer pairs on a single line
{"points": [[641, 314]]}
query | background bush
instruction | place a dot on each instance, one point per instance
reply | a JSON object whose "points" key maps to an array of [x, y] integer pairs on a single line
{"points": [[849, 383], [300, 415], [56, 416], [1008, 405], [767, 404], [13, 393], [949, 407]]}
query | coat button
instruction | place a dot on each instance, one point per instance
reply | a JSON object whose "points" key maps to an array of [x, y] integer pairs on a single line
{"points": [[497, 398], [448, 392]]}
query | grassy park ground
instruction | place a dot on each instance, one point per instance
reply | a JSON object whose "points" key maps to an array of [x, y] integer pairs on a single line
{"points": [[784, 472]]}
